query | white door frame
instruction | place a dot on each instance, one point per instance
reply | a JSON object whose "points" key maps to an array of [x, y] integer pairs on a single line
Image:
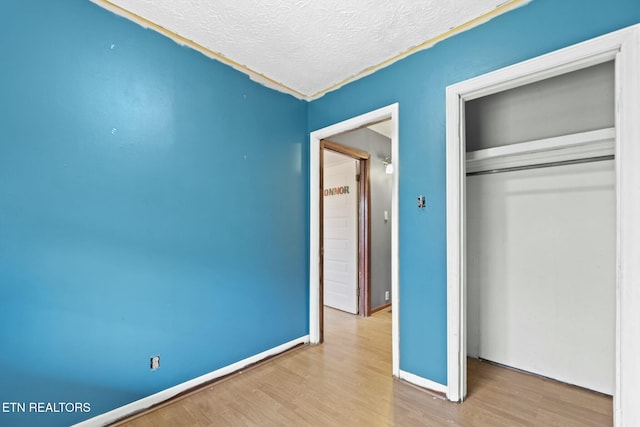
{"points": [[389, 112], [624, 47]]}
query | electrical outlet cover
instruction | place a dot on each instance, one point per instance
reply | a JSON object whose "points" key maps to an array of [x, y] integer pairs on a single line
{"points": [[155, 362]]}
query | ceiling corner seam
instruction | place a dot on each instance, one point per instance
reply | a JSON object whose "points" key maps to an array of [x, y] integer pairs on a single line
{"points": [[183, 41]]}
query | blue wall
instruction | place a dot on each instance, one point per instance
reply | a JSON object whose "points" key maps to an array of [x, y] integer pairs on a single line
{"points": [[152, 201], [418, 83]]}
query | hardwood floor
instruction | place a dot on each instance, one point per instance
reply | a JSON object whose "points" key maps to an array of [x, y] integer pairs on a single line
{"points": [[347, 382]]}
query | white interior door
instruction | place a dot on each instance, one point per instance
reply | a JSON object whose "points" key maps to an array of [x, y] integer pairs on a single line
{"points": [[340, 232]]}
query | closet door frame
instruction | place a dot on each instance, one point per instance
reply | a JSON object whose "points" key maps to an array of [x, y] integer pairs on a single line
{"points": [[623, 47]]}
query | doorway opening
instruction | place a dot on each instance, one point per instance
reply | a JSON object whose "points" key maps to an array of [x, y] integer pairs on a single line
{"points": [[319, 140], [541, 227]]}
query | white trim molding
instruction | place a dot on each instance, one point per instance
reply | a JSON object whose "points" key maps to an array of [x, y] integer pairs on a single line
{"points": [[164, 395], [422, 382], [384, 113], [623, 47], [626, 408]]}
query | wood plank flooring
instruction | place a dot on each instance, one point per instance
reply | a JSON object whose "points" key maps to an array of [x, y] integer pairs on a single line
{"points": [[347, 382]]}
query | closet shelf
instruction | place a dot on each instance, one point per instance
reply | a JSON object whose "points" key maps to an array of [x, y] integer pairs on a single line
{"points": [[577, 146]]}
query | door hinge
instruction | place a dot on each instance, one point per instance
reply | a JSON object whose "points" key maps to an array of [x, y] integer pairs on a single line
{"points": [[358, 177]]}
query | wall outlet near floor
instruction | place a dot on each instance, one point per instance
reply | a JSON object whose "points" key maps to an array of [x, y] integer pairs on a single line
{"points": [[154, 363], [386, 296]]}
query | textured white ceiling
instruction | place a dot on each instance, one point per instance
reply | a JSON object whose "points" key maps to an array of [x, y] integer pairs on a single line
{"points": [[308, 46]]}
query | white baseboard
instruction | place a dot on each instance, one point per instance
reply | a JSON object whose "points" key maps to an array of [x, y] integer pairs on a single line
{"points": [[164, 395], [423, 382]]}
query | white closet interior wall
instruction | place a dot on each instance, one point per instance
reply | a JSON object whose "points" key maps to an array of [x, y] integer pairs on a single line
{"points": [[541, 241]]}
